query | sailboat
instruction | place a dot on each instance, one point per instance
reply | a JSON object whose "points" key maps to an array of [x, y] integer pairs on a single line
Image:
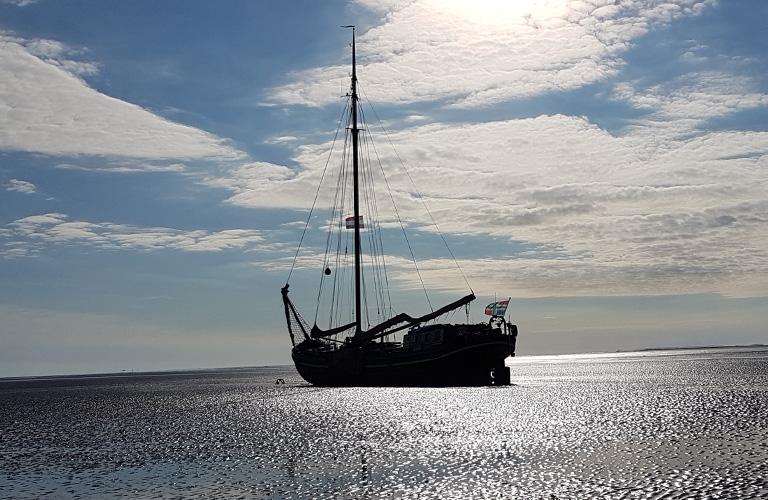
{"points": [[360, 347]]}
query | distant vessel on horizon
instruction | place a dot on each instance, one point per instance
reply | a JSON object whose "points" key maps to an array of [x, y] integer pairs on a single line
{"points": [[346, 353]]}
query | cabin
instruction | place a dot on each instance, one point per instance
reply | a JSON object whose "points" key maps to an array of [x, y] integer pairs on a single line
{"points": [[423, 337]]}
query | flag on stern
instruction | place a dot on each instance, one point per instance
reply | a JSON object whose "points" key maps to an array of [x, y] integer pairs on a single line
{"points": [[497, 308], [351, 222]]}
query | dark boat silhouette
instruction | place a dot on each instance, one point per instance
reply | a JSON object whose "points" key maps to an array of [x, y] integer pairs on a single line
{"points": [[346, 354]]}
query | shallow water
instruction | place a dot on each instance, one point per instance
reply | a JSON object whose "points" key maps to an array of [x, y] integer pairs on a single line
{"points": [[673, 424]]}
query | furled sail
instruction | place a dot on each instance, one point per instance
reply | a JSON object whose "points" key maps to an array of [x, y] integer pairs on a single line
{"points": [[317, 333], [383, 328]]}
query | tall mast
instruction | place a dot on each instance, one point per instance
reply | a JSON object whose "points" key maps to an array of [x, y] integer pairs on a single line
{"points": [[356, 190]]}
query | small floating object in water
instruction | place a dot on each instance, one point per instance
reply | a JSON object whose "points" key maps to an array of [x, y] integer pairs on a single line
{"points": [[279, 381]]}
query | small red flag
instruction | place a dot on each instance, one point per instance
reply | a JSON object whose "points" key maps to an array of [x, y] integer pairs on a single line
{"points": [[351, 222]]}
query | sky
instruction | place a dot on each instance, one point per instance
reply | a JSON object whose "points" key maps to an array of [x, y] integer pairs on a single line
{"points": [[602, 163]]}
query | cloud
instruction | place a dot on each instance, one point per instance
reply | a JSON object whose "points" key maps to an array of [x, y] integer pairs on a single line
{"points": [[415, 118], [19, 186], [30, 235], [46, 107], [20, 3], [664, 206], [480, 53], [56, 53], [688, 101], [258, 180], [294, 224], [285, 139], [126, 166]]}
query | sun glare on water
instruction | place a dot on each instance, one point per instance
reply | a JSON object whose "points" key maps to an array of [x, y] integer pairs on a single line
{"points": [[502, 12]]}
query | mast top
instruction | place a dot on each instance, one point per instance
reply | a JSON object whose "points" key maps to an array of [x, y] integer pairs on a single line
{"points": [[354, 65]]}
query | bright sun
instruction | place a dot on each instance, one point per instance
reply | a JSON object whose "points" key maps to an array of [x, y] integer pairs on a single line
{"points": [[500, 12]]}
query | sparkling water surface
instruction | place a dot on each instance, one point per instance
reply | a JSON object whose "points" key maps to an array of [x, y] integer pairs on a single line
{"points": [[661, 424]]}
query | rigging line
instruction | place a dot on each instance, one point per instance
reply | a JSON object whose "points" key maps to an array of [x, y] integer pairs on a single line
{"points": [[402, 226], [413, 258], [331, 222], [338, 207], [400, 221], [365, 294], [350, 268], [372, 254], [342, 273], [380, 291], [376, 253], [331, 209], [344, 235], [341, 234], [317, 193], [376, 231], [421, 197], [347, 295], [385, 284], [388, 301]]}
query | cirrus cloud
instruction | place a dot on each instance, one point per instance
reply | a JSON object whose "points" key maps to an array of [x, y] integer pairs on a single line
{"points": [[664, 206], [20, 186], [481, 53], [29, 235], [46, 107]]}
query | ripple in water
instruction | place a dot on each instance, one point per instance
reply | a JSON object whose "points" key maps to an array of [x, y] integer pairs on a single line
{"points": [[685, 424]]}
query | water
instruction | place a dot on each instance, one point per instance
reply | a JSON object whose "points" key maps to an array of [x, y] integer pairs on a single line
{"points": [[675, 424]]}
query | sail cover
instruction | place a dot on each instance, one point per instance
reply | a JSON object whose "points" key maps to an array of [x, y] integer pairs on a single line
{"points": [[384, 327]]}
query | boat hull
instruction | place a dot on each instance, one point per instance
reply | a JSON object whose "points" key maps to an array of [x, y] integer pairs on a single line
{"points": [[467, 360]]}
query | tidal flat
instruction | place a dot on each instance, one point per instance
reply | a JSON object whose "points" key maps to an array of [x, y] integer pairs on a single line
{"points": [[654, 424]]}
